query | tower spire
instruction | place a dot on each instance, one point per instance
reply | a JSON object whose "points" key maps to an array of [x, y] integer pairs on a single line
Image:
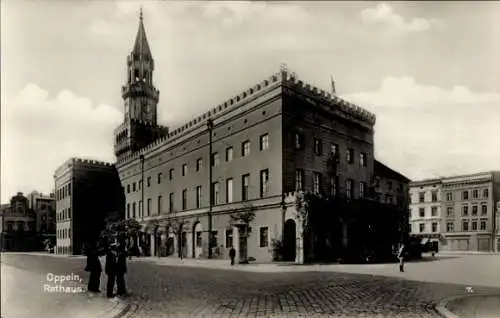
{"points": [[140, 13], [141, 46]]}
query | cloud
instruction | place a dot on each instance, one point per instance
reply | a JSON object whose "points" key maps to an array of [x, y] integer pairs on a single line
{"points": [[427, 131], [385, 14], [42, 132]]}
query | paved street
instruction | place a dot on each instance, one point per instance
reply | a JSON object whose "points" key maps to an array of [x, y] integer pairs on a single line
{"points": [[165, 291]]}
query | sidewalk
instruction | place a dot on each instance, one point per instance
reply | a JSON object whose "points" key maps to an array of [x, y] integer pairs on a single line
{"points": [[480, 306]]}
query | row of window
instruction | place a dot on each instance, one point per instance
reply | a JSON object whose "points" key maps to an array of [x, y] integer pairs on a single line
{"points": [[334, 150], [465, 195], [215, 162], [63, 233], [333, 184], [263, 238], [450, 226], [215, 199], [63, 192], [20, 226], [450, 211], [434, 196], [434, 211], [422, 229], [64, 214]]}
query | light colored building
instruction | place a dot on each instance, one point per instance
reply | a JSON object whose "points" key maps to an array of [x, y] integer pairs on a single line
{"points": [[19, 225], [469, 211], [425, 209], [44, 207], [251, 152], [86, 192]]}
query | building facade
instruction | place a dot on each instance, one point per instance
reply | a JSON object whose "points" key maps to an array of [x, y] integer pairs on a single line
{"points": [[44, 207], [19, 225], [457, 211], [86, 192], [426, 209], [249, 153]]}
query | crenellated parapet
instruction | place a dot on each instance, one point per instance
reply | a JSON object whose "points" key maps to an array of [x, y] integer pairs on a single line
{"points": [[91, 162]]}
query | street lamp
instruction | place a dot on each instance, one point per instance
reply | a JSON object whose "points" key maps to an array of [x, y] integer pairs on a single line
{"points": [[210, 126]]}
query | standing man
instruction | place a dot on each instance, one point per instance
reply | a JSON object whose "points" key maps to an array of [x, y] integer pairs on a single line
{"points": [[121, 269], [110, 269], [232, 255], [401, 257], [94, 267]]}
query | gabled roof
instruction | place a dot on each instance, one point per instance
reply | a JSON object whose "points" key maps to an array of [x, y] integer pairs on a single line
{"points": [[382, 170], [141, 46]]}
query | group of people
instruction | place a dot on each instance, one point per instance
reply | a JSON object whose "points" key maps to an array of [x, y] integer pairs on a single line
{"points": [[115, 267]]}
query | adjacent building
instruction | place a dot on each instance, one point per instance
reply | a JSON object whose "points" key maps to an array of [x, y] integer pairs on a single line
{"points": [[251, 152], [459, 212], [44, 207], [19, 225], [87, 191]]}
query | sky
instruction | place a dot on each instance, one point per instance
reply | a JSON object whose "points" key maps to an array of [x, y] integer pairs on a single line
{"points": [[428, 70]]}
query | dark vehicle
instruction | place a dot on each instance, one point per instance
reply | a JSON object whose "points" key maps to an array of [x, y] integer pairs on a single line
{"points": [[430, 247], [414, 248]]}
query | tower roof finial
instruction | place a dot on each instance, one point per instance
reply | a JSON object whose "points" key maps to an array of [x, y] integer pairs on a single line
{"points": [[140, 13]]}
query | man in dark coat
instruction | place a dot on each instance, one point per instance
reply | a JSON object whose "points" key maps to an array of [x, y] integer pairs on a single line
{"points": [[110, 269], [94, 267], [121, 269], [232, 255]]}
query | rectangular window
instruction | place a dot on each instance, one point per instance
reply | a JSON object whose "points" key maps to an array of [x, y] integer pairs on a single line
{"points": [[450, 227], [184, 170], [229, 154], [474, 225], [214, 235], [215, 159], [449, 196], [69, 213], [449, 211], [299, 179], [318, 147], [245, 180], [160, 175], [128, 210], [421, 227], [229, 238], [128, 188], [434, 227], [348, 188], [334, 150], [264, 142], [264, 237], [199, 164], [299, 141], [149, 207], [171, 199], [215, 193], [485, 193], [141, 209], [362, 187], [160, 204], [465, 210], [475, 194], [349, 155], [229, 190], [434, 196], [316, 182], [133, 187], [421, 197], [149, 181], [245, 148], [198, 197], [184, 199], [474, 210], [171, 174], [484, 209], [334, 184], [133, 210], [434, 211], [69, 189], [465, 195], [264, 183], [362, 159], [483, 225], [465, 225]]}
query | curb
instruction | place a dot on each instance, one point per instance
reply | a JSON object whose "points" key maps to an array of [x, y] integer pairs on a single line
{"points": [[444, 312], [120, 309]]}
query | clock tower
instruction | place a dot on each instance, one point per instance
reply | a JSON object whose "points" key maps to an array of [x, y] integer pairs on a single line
{"points": [[139, 127]]}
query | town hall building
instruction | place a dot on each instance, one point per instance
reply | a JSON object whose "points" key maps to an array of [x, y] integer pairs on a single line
{"points": [[252, 152]]}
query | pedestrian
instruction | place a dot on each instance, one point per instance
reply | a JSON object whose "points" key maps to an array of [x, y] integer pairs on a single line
{"points": [[401, 257], [110, 269], [121, 269], [232, 255], [94, 267]]}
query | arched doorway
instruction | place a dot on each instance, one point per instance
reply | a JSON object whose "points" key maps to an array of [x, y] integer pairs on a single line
{"points": [[197, 240], [289, 237], [180, 241]]}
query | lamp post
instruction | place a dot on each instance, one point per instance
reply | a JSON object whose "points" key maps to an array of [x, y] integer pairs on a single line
{"points": [[210, 126]]}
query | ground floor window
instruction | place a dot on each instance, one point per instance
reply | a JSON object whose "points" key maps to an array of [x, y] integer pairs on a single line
{"points": [[264, 234], [229, 238], [198, 239]]}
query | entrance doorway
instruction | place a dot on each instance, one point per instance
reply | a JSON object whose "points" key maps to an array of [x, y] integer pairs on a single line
{"points": [[243, 247], [289, 237]]}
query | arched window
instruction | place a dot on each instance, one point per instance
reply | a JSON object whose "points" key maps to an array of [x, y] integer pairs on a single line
{"points": [[136, 75]]}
